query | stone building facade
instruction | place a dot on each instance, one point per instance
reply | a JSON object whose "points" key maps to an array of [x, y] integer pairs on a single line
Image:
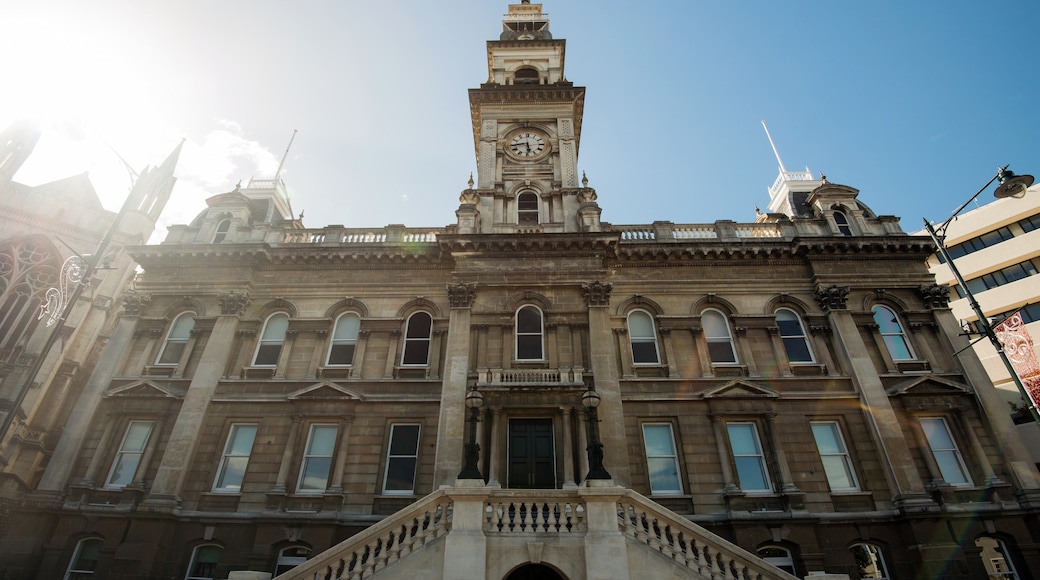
{"points": [[788, 384]]}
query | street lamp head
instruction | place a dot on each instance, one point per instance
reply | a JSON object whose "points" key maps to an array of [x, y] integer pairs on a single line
{"points": [[590, 400], [1012, 185], [474, 399]]}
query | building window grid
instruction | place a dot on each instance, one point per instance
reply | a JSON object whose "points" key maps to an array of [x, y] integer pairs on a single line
{"points": [[291, 557], [748, 457], [416, 351], [235, 459], [1012, 273], [344, 340], [128, 457], [662, 459], [203, 564], [84, 559], [529, 334], [176, 339], [843, 223], [527, 209], [271, 340], [222, 231], [643, 338], [1030, 223], [718, 336], [945, 452], [401, 459], [837, 465], [317, 458], [977, 243]]}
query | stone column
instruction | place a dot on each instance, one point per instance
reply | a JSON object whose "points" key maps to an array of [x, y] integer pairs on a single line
{"points": [[359, 353], [787, 485], [568, 448], [90, 477], [182, 363], [583, 443], [76, 426], [897, 461], [721, 437], [452, 422], [138, 482], [392, 355], [605, 376], [187, 429], [287, 455], [319, 353], [341, 458], [496, 449]]}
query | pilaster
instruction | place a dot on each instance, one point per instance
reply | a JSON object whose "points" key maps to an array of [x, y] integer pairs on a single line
{"points": [[607, 383], [451, 424]]}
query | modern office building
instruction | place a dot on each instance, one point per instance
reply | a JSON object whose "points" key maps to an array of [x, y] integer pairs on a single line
{"points": [[751, 399]]}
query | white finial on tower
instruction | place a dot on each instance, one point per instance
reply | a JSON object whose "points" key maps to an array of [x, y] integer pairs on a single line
{"points": [[773, 145]]}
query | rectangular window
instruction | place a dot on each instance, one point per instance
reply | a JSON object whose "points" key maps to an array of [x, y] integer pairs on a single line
{"points": [[752, 475], [317, 459], [128, 458], [402, 456], [1030, 223], [945, 452], [235, 459], [661, 460], [835, 457]]}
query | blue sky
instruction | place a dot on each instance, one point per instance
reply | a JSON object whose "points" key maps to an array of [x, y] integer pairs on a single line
{"points": [[913, 103]]}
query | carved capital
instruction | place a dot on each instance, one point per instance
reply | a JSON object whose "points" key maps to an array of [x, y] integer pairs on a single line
{"points": [[461, 295], [597, 293], [233, 303], [134, 303], [935, 296], [832, 298]]}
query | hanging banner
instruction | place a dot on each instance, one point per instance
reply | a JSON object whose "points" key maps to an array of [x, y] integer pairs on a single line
{"points": [[1018, 347]]}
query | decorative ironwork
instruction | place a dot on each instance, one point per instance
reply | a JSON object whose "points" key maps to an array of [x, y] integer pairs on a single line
{"points": [[832, 298], [72, 273]]}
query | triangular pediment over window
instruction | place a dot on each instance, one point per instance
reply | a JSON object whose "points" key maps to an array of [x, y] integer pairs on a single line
{"points": [[741, 388], [929, 385], [325, 390], [144, 389]]}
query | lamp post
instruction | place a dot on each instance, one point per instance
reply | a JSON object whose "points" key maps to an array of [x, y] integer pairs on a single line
{"points": [[471, 449], [1011, 185], [591, 400]]}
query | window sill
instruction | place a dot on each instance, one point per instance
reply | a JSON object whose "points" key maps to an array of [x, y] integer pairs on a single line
{"points": [[258, 372], [160, 370], [729, 369], [909, 366], [808, 369], [336, 372]]}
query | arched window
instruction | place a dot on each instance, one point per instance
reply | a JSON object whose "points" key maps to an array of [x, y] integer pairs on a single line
{"points": [[203, 564], [777, 556], [271, 340], [892, 333], [792, 333], [525, 76], [718, 337], [344, 339], [529, 334], [27, 270], [996, 559], [84, 559], [643, 337], [869, 561], [291, 557], [843, 223], [222, 231], [176, 339], [417, 340], [527, 209]]}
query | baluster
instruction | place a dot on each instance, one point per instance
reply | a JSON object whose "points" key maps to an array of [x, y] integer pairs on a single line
{"points": [[416, 536], [701, 557], [545, 517], [369, 561], [525, 513], [500, 514], [739, 570], [629, 517], [381, 554], [654, 534], [396, 536], [442, 521], [580, 513], [557, 522], [641, 527], [568, 514]]}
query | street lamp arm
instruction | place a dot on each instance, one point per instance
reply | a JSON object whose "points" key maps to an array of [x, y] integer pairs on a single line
{"points": [[942, 227]]}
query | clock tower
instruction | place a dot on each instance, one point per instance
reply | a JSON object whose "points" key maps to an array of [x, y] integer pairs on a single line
{"points": [[526, 132]]}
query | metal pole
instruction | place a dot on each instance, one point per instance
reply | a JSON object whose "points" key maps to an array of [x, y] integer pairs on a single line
{"points": [[983, 321]]}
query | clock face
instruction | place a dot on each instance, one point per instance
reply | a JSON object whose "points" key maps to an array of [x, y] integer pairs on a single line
{"points": [[527, 144]]}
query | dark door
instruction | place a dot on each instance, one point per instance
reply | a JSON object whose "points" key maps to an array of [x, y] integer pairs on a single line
{"points": [[534, 572], [532, 461]]}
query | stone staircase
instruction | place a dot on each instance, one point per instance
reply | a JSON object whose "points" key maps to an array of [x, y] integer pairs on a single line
{"points": [[478, 533]]}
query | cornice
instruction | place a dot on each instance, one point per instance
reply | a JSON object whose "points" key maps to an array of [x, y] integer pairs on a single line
{"points": [[526, 245], [296, 255]]}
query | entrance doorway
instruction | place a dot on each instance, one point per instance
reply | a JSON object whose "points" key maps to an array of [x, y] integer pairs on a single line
{"points": [[534, 572], [532, 458]]}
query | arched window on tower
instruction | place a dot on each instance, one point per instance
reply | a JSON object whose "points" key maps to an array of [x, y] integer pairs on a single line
{"points": [[892, 333], [527, 209], [842, 222], [525, 76], [222, 231]]}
